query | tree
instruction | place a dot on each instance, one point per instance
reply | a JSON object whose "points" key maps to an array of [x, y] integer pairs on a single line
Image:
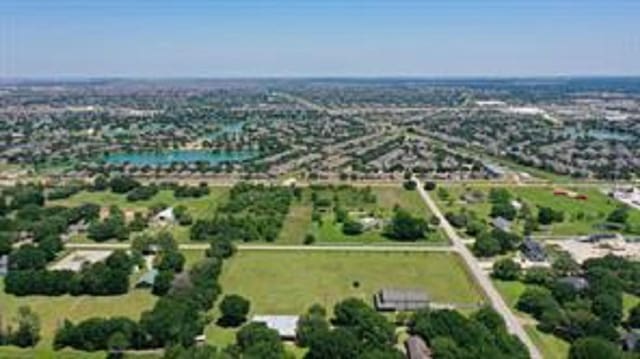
{"points": [[27, 257], [547, 215], [310, 325], [28, 332], [309, 238], [608, 306], [593, 348], [352, 227], [539, 276], [123, 184], [506, 269], [634, 317], [197, 352], [221, 247], [405, 227], [162, 283], [535, 300], [339, 343], [489, 318], [619, 215], [429, 186], [409, 185], [503, 209], [5, 244], [50, 245], [370, 327], [117, 344], [4, 208], [171, 260], [100, 183], [257, 341], [565, 265], [486, 245], [172, 321], [234, 309]]}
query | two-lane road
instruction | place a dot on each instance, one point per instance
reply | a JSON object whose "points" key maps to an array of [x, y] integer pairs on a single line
{"points": [[513, 324]]}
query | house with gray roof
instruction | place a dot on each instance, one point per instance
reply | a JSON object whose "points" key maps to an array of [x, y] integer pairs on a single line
{"points": [[401, 300], [578, 283], [148, 279], [502, 224], [532, 250], [4, 265], [417, 348]]}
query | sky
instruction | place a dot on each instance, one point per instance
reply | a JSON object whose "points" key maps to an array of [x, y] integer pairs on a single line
{"points": [[318, 38]]}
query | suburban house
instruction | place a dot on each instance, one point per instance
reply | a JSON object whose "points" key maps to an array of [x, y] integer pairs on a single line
{"points": [[502, 224], [578, 283], [417, 348], [400, 299], [148, 279], [285, 325], [165, 217], [532, 250]]}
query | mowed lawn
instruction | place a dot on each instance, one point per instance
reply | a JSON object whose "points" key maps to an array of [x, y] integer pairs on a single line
{"points": [[288, 282], [54, 310]]}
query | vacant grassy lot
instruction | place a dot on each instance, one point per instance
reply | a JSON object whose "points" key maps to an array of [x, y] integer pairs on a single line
{"points": [[581, 217], [287, 282], [54, 310]]}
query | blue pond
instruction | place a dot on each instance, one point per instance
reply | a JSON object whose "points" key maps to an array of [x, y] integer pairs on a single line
{"points": [[183, 156], [604, 135]]}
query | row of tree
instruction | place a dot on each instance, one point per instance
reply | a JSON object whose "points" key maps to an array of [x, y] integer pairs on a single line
{"points": [[30, 277]]}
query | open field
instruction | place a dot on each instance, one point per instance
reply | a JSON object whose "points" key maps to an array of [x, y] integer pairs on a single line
{"points": [[203, 207], [581, 217], [289, 282], [54, 310]]}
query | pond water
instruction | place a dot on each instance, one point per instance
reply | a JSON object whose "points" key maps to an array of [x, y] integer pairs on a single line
{"points": [[604, 135], [183, 156]]}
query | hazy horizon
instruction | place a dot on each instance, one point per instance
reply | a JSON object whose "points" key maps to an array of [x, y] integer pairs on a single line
{"points": [[249, 39]]}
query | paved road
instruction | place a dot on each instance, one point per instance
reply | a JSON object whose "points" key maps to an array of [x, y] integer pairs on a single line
{"points": [[513, 324], [273, 247]]}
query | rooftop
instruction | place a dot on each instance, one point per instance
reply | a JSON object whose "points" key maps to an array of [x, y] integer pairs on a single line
{"points": [[401, 299], [285, 325]]}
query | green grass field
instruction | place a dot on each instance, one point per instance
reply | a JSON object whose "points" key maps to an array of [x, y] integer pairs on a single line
{"points": [[549, 345], [593, 211], [203, 207], [54, 310], [510, 291], [287, 282]]}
